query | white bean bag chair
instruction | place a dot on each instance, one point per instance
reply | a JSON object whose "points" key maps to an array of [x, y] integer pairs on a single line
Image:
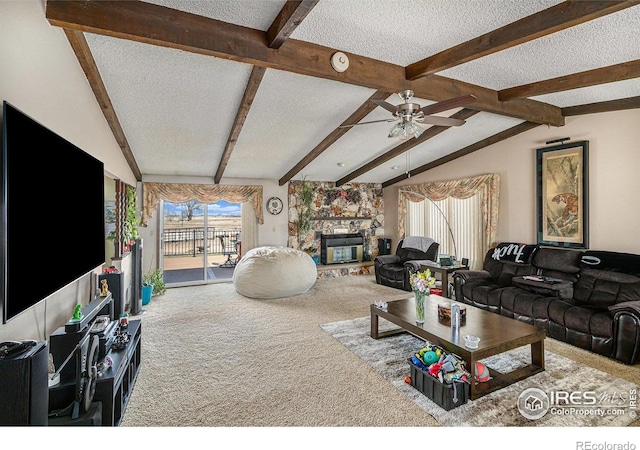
{"points": [[274, 272]]}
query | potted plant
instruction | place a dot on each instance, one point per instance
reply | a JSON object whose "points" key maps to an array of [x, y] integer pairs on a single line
{"points": [[313, 252], [155, 280], [131, 221]]}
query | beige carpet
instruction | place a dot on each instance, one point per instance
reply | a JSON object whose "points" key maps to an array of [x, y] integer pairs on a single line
{"points": [[212, 358]]}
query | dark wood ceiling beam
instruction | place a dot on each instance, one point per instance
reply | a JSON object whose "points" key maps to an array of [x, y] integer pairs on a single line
{"points": [[542, 23], [336, 134], [247, 99], [157, 25], [611, 105], [290, 16], [404, 147], [610, 74], [85, 58], [506, 134]]}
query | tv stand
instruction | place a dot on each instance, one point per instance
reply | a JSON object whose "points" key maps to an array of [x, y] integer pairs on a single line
{"points": [[114, 384]]}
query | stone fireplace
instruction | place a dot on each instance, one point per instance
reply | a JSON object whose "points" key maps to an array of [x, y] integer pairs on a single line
{"points": [[353, 208]]}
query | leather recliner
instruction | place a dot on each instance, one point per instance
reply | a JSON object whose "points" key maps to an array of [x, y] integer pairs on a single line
{"points": [[394, 270]]}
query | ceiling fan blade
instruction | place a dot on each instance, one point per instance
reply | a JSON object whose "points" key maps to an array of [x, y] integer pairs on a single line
{"points": [[448, 104], [365, 123], [442, 121], [388, 106]]}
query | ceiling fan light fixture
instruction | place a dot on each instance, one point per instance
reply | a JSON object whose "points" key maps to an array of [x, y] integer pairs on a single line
{"points": [[405, 130]]}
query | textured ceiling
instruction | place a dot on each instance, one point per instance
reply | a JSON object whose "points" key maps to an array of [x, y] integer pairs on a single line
{"points": [[177, 108]]}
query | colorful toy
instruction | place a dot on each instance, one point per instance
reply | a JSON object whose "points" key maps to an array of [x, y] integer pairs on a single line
{"points": [[482, 372], [443, 366], [430, 357], [434, 370], [418, 362], [77, 314]]}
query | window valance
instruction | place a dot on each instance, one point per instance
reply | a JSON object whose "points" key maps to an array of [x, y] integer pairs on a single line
{"points": [[152, 193], [488, 186]]}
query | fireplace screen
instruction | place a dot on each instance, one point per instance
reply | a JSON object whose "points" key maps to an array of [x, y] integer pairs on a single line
{"points": [[341, 248]]}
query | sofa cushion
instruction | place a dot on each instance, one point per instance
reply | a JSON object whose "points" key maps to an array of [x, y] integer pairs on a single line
{"points": [[601, 288], [526, 306], [482, 295], [558, 260], [513, 252], [392, 276], [503, 273], [408, 253], [583, 326], [612, 262]]}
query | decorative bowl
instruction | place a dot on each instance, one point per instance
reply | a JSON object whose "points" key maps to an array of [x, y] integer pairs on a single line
{"points": [[471, 341]]}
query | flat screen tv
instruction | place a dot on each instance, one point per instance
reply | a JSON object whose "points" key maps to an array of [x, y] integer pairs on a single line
{"points": [[52, 223]]}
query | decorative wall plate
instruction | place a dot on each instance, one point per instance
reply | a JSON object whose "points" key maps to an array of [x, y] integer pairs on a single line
{"points": [[274, 205]]}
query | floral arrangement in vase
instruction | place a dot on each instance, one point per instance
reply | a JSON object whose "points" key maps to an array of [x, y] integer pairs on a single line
{"points": [[421, 283]]}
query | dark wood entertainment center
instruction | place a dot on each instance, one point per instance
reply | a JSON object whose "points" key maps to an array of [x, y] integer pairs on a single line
{"points": [[113, 384]]}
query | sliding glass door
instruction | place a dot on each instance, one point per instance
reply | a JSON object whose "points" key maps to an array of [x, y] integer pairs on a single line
{"points": [[199, 241]]}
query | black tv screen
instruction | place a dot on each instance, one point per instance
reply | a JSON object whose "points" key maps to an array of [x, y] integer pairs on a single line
{"points": [[52, 220]]}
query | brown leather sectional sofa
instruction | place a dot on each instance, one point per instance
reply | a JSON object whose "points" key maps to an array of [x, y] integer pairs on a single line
{"points": [[590, 299]]}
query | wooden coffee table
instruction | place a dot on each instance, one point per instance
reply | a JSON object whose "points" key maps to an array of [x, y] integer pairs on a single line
{"points": [[497, 335]]}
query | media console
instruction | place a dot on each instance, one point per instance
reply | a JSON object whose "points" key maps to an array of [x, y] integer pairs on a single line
{"points": [[111, 384], [116, 383]]}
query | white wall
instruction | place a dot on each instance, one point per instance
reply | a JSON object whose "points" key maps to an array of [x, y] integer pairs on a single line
{"points": [[614, 179], [40, 75]]}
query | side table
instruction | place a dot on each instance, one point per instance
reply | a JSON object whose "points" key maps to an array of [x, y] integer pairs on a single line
{"points": [[444, 272]]}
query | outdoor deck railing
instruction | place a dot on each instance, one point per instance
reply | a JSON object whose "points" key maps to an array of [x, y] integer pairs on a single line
{"points": [[192, 242]]}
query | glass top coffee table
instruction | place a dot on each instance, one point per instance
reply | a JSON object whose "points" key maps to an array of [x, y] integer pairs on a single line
{"points": [[497, 335]]}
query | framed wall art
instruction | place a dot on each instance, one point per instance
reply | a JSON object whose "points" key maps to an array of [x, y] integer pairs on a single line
{"points": [[563, 195]]}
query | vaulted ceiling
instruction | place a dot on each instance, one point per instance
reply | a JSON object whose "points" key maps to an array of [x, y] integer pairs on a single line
{"points": [[246, 89]]}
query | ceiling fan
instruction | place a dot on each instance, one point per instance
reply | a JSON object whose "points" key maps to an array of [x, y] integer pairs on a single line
{"points": [[408, 113]]}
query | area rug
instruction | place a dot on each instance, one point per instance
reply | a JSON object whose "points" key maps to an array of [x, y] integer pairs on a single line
{"points": [[388, 357]]}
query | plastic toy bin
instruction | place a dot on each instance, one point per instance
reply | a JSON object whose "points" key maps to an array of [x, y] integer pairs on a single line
{"points": [[440, 393]]}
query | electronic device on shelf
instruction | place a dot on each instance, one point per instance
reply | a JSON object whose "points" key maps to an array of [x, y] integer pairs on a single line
{"points": [[542, 279], [106, 337], [100, 324], [11, 349], [446, 261]]}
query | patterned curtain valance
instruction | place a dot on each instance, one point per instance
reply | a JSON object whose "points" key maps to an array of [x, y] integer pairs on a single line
{"points": [[488, 186], [205, 193]]}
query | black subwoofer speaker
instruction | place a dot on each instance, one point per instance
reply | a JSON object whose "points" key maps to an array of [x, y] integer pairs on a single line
{"points": [[24, 387], [384, 246]]}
